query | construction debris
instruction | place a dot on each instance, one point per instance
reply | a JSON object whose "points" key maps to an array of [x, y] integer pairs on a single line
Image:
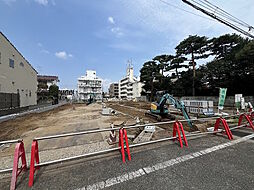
{"points": [[112, 136], [107, 111], [150, 129], [145, 135]]}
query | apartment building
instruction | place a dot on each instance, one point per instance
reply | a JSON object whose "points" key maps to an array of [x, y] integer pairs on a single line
{"points": [[67, 94], [114, 90], [129, 86], [45, 81], [90, 87], [17, 76]]}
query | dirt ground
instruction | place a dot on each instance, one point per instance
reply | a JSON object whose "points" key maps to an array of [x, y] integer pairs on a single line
{"points": [[79, 117], [138, 109], [67, 118]]}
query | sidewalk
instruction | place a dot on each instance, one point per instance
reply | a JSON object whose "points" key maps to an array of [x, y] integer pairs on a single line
{"points": [[33, 110]]}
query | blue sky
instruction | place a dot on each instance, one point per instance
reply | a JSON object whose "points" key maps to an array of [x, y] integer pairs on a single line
{"points": [[66, 37]]}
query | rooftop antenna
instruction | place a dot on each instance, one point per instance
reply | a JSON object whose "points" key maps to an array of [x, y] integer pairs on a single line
{"points": [[129, 62], [129, 66]]}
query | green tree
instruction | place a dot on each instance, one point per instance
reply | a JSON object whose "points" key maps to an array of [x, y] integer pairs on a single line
{"points": [[196, 47], [226, 46], [244, 69], [177, 63], [54, 91], [232, 65], [150, 75], [163, 61]]}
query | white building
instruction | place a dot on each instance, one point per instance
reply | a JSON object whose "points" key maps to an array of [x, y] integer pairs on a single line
{"points": [[17, 77], [45, 81], [90, 87], [129, 86]]}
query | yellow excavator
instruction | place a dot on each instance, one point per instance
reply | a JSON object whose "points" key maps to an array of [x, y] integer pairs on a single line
{"points": [[159, 110]]}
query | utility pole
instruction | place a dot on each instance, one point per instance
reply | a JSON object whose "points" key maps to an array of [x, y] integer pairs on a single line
{"points": [[194, 71]]}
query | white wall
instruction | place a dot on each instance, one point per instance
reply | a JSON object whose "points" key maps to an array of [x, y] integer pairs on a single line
{"points": [[137, 88]]}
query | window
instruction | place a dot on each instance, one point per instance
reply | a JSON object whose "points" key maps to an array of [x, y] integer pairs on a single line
{"points": [[0, 57], [21, 64], [11, 63], [30, 93]]}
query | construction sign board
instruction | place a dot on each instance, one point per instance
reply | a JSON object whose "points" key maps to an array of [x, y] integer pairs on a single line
{"points": [[222, 97]]}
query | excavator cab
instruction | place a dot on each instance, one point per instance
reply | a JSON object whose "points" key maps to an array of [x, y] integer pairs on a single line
{"points": [[159, 109]]}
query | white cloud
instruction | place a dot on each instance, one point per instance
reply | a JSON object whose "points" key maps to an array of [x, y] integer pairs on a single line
{"points": [[154, 16], [111, 20], [42, 2], [39, 44], [63, 55], [125, 46], [44, 51], [117, 31]]}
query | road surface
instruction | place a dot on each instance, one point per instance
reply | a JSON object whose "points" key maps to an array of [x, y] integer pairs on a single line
{"points": [[210, 162]]}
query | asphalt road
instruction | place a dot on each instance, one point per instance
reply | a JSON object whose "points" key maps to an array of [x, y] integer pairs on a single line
{"points": [[202, 165]]}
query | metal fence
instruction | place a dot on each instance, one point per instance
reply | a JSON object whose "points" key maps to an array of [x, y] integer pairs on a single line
{"points": [[9, 100]]}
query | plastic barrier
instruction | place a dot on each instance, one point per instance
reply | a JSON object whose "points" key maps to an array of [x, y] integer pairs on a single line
{"points": [[19, 153], [248, 118], [122, 137], [176, 129], [252, 115], [34, 158], [225, 125]]}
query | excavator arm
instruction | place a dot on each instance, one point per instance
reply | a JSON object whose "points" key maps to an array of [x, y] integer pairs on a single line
{"points": [[177, 104]]}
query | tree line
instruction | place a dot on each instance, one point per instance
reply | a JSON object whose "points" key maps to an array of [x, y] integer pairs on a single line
{"points": [[227, 62]]}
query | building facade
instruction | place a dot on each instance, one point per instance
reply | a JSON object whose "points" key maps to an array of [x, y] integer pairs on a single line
{"points": [[67, 94], [129, 86], [45, 81], [114, 90], [90, 87], [17, 76]]}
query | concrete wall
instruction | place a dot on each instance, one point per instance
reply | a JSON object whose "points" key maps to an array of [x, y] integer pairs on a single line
{"points": [[230, 100], [22, 78]]}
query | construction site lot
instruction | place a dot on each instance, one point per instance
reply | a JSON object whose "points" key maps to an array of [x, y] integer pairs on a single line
{"points": [[75, 118]]}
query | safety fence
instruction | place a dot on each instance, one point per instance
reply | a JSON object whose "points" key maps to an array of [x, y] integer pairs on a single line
{"points": [[19, 152], [123, 146]]}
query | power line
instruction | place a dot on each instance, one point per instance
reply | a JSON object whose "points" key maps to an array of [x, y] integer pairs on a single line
{"points": [[226, 12], [220, 19], [206, 4], [169, 4]]}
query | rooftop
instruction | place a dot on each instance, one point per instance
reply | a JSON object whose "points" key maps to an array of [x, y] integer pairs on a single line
{"points": [[18, 51], [47, 78]]}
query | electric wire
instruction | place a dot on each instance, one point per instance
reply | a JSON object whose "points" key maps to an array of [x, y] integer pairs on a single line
{"points": [[226, 12], [220, 19], [169, 4], [222, 13]]}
